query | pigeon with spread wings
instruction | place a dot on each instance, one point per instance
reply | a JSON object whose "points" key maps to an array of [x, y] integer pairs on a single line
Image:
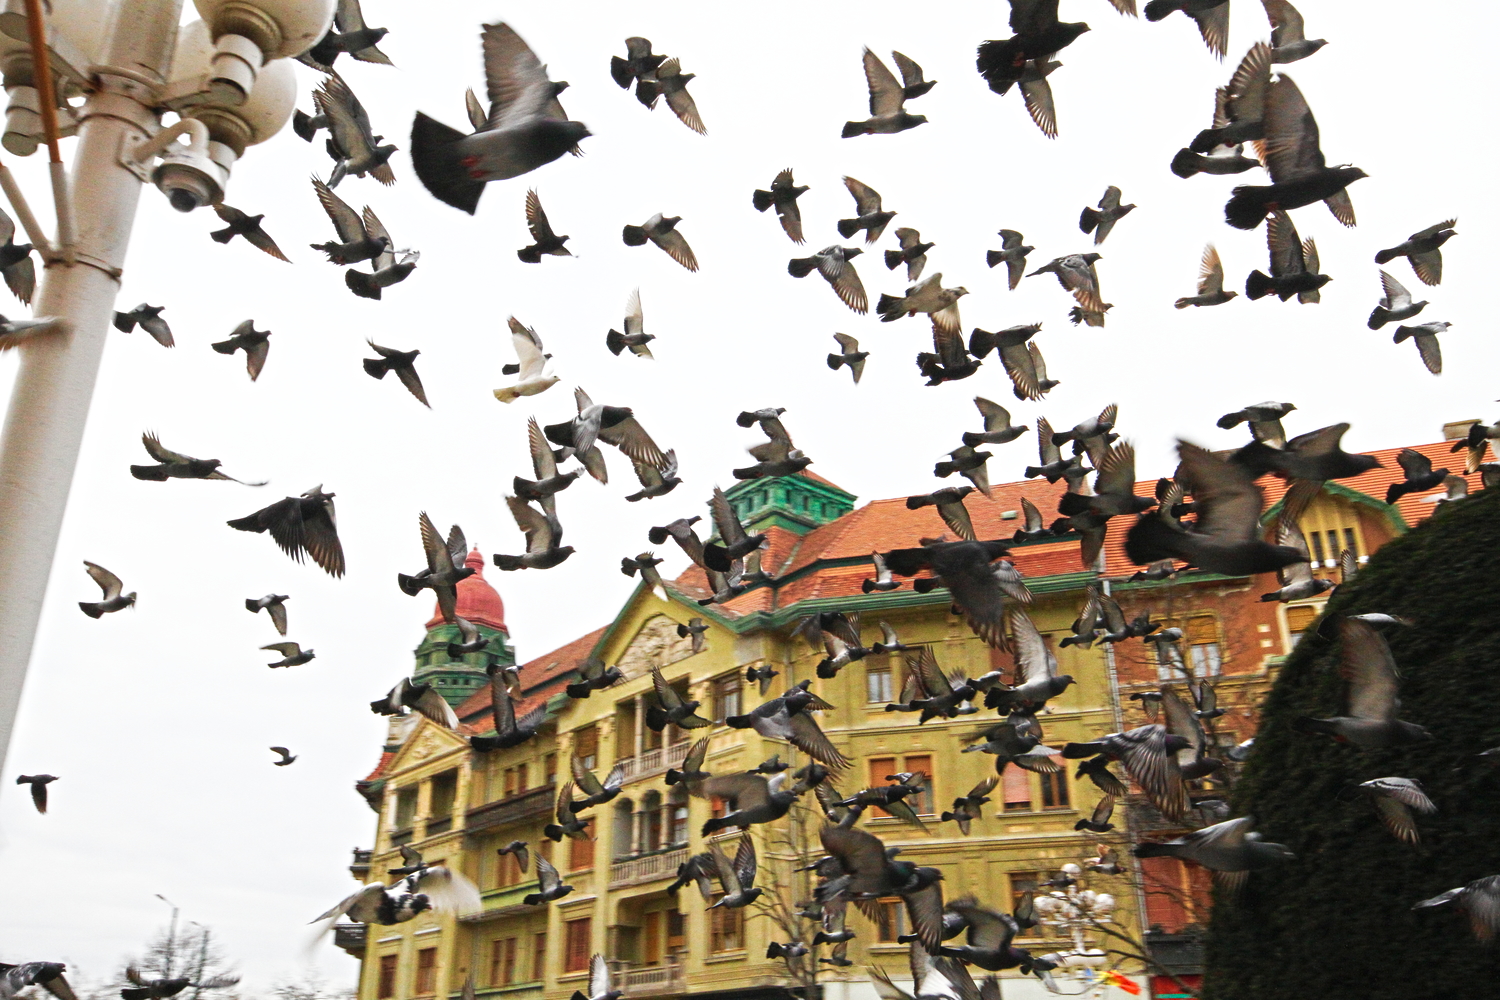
{"points": [[355, 241], [531, 366], [446, 566], [1299, 175], [662, 230], [543, 534], [543, 239], [509, 731], [783, 195], [834, 265], [526, 127], [888, 114]]}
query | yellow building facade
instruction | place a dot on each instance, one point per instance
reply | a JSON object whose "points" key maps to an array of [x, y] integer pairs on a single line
{"points": [[459, 806]]}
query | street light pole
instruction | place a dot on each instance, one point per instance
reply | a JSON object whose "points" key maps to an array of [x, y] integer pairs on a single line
{"points": [[54, 385]]}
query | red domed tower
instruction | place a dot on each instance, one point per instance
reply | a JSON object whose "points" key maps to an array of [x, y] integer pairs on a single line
{"points": [[456, 678]]}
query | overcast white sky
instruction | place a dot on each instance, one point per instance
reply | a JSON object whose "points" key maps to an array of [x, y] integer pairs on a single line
{"points": [[157, 719]]}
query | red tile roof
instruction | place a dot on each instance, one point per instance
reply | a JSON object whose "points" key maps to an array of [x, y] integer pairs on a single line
{"points": [[886, 524], [541, 678], [386, 756]]}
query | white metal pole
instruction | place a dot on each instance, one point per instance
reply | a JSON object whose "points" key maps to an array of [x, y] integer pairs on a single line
{"points": [[49, 404]]}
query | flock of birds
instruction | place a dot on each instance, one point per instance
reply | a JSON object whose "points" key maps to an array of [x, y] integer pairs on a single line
{"points": [[1207, 515]]}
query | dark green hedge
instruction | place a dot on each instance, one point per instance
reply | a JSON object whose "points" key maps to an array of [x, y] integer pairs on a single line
{"points": [[1337, 922]]}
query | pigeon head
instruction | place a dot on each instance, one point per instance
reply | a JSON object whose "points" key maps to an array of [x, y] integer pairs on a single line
{"points": [[852, 252], [552, 138], [959, 291]]}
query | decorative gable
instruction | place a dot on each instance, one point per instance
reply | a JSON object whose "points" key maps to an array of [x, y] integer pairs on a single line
{"points": [[657, 644], [430, 740]]}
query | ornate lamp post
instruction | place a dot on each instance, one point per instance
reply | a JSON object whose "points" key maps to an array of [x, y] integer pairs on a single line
{"points": [[1074, 911], [228, 79]]}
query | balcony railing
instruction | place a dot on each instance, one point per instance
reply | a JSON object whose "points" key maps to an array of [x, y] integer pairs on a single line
{"points": [[651, 762], [647, 980], [644, 869], [536, 802], [360, 867]]}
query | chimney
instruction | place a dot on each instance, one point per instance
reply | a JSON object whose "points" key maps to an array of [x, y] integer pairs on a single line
{"points": [[1456, 430]]}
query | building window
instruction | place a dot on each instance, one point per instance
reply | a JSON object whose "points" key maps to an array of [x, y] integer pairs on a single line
{"points": [[877, 679], [726, 928], [406, 808], [440, 803], [507, 870], [883, 767], [921, 802], [539, 956], [510, 782], [385, 988], [677, 806], [586, 746], [1298, 620], [503, 962], [1201, 647], [578, 939], [581, 852], [890, 920], [1016, 784], [1054, 790], [651, 828], [426, 972], [550, 768], [1020, 884], [546, 845], [726, 697]]}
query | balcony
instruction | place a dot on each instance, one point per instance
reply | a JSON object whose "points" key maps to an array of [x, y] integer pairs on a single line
{"points": [[360, 866], [649, 980], [505, 901], [437, 826], [527, 805], [650, 762], [351, 938], [646, 868]]}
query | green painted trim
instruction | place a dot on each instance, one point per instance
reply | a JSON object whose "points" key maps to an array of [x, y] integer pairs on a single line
{"points": [[1185, 577], [1390, 511]]}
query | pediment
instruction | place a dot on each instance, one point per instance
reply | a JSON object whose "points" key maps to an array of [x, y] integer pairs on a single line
{"points": [[655, 644], [428, 741]]}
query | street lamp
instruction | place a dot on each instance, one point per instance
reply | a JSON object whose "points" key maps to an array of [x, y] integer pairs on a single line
{"points": [[1074, 910], [131, 81]]}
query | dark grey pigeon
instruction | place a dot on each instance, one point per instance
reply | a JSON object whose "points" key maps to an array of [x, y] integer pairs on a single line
{"points": [[390, 266], [662, 230], [887, 99], [149, 319], [237, 223], [250, 340], [349, 34], [1479, 901], [38, 783], [1210, 282], [849, 356], [356, 241], [114, 599], [1012, 254], [172, 465], [1101, 221], [1288, 38], [403, 363], [783, 195], [1422, 249], [868, 214], [1226, 536], [1212, 17], [1230, 849], [834, 265], [292, 655], [1395, 799], [1395, 303], [1294, 265], [1294, 159], [1240, 106], [526, 129], [543, 239], [301, 526], [1425, 336], [913, 253], [1367, 713], [273, 605], [1264, 420], [543, 534], [639, 62]]}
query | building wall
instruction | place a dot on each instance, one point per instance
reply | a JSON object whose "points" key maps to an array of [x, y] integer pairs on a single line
{"points": [[620, 888]]}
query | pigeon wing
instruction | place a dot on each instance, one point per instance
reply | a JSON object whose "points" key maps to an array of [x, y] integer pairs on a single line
{"points": [[1367, 665], [886, 94]]}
